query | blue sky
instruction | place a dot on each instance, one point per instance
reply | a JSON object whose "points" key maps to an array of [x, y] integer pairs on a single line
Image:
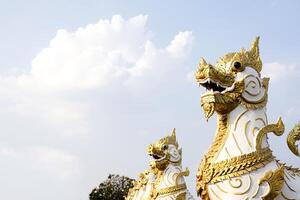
{"points": [[81, 97]]}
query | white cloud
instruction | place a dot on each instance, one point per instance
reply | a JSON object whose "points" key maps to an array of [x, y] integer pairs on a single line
{"points": [[57, 163], [278, 71], [100, 53], [107, 53], [181, 44], [66, 107]]}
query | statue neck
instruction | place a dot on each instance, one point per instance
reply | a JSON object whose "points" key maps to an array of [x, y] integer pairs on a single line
{"points": [[170, 176], [236, 133]]}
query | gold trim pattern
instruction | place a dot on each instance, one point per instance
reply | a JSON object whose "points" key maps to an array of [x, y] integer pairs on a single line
{"points": [[239, 165], [171, 190], [236, 166], [181, 196], [202, 174], [236, 143], [292, 171], [277, 128], [236, 186], [207, 70], [255, 105], [213, 191], [275, 180], [292, 138], [181, 174], [246, 135]]}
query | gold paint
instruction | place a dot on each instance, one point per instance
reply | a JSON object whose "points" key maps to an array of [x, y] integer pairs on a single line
{"points": [[253, 94], [261, 102], [227, 152], [181, 196], [222, 103], [238, 119], [171, 190], [220, 188], [277, 128], [213, 191], [248, 187], [257, 128], [181, 174], [204, 170], [291, 171], [292, 139], [205, 71], [236, 143], [255, 104], [246, 135], [275, 180], [261, 119], [215, 172], [266, 117], [248, 58], [240, 184], [159, 148], [254, 129], [250, 83], [256, 193], [237, 166], [137, 185], [265, 83]]}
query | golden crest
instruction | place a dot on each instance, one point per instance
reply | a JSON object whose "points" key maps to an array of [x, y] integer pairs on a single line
{"points": [[277, 128], [275, 180], [292, 138]]}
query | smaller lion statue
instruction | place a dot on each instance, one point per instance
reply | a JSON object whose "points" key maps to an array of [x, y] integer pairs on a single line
{"points": [[165, 178]]}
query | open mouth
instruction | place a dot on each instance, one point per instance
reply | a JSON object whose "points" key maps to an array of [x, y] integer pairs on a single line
{"points": [[156, 156], [212, 86]]}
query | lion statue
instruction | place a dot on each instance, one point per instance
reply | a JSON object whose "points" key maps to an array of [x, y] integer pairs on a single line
{"points": [[165, 178], [240, 163]]}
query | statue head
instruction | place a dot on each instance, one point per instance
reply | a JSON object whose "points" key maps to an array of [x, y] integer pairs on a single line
{"points": [[165, 152], [235, 79]]}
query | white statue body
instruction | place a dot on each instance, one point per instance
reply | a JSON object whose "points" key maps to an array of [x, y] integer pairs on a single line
{"points": [[239, 95], [165, 178]]}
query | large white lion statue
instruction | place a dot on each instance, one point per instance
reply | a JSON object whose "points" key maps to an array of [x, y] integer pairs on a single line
{"points": [[240, 163]]}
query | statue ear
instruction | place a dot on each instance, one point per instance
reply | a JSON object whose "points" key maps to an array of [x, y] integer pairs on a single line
{"points": [[253, 53], [202, 62], [173, 134], [254, 50]]}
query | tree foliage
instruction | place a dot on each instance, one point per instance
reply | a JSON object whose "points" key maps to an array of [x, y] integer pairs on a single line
{"points": [[115, 187]]}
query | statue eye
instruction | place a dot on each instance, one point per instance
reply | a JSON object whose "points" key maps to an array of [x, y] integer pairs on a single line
{"points": [[237, 65], [165, 147]]}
